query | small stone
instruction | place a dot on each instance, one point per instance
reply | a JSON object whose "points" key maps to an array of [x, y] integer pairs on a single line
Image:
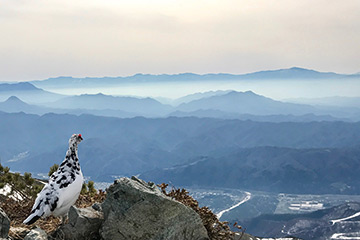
{"points": [[84, 224], [36, 234], [97, 207]]}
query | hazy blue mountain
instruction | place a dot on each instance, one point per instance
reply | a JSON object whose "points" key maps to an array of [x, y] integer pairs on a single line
{"points": [[329, 101], [221, 104], [258, 118], [14, 104], [294, 73], [27, 92], [22, 86], [197, 96], [272, 169], [245, 103], [218, 104], [137, 78], [316, 225], [131, 105], [209, 113], [100, 112], [291, 73], [235, 104], [114, 146]]}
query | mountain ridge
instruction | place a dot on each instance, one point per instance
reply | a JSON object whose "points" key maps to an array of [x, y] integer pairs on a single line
{"points": [[131, 105], [281, 169], [245, 103], [227, 104], [142, 144], [26, 92], [292, 73]]}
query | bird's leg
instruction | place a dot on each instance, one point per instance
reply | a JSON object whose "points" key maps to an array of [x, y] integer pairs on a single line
{"points": [[63, 219]]}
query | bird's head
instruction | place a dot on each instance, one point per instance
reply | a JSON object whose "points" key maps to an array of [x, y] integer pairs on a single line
{"points": [[75, 139]]}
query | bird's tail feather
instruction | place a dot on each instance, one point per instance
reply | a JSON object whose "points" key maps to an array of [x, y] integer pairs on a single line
{"points": [[36, 213], [31, 219]]}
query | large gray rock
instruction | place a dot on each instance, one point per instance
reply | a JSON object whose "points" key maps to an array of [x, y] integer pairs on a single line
{"points": [[4, 224], [36, 234], [136, 210], [84, 224]]}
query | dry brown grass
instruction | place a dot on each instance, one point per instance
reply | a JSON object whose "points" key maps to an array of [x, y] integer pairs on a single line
{"points": [[17, 211], [216, 229], [88, 199]]}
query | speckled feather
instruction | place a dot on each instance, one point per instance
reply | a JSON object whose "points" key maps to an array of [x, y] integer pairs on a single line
{"points": [[63, 188]]}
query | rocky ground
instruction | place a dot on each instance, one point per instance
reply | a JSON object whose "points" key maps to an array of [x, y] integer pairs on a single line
{"points": [[131, 209]]}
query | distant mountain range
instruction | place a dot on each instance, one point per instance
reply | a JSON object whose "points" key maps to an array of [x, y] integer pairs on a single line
{"points": [[27, 92], [328, 101], [275, 169], [245, 103], [197, 96], [217, 104], [22, 86], [211, 139], [248, 105], [14, 104], [116, 108], [291, 73], [114, 147], [258, 118], [136, 106]]}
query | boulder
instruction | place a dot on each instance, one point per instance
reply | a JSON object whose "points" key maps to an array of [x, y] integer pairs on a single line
{"points": [[134, 209], [36, 234], [84, 224], [4, 224]]}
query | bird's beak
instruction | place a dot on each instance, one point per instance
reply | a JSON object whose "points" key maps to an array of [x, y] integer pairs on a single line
{"points": [[80, 137]]}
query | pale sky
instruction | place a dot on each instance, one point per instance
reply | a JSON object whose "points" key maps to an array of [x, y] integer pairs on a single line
{"points": [[49, 38]]}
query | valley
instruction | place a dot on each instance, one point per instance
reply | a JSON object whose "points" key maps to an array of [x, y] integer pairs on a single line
{"points": [[269, 214], [255, 203]]}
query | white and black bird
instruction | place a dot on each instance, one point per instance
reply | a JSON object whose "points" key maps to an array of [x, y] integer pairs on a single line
{"points": [[63, 188]]}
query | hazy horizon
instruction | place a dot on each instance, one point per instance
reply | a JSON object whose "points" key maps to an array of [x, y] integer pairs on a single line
{"points": [[121, 38], [276, 89], [176, 73]]}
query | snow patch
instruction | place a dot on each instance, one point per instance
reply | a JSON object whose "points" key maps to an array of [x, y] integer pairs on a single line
{"points": [[6, 190]]}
